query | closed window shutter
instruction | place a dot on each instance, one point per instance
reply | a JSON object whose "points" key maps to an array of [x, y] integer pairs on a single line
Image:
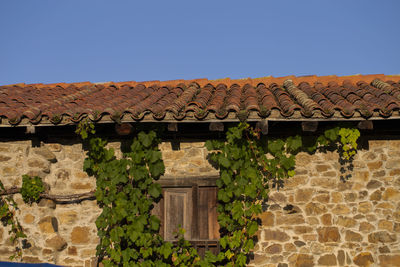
{"points": [[194, 209]]}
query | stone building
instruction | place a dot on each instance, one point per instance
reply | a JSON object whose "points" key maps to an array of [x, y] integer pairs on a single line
{"points": [[315, 220]]}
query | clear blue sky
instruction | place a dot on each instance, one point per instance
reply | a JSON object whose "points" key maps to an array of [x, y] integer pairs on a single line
{"points": [[96, 40]]}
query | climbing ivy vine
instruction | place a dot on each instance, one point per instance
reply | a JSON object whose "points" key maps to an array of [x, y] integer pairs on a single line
{"points": [[8, 209], [249, 164]]}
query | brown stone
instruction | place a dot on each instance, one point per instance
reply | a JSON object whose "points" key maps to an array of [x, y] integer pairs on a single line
{"points": [[384, 249], [346, 222], [365, 207], [57, 242], [30, 259], [275, 235], [347, 185], [80, 235], [322, 167], [274, 249], [328, 234], [48, 203], [304, 195], [336, 197], [4, 158], [389, 260], [5, 148], [382, 236], [277, 197], [309, 237], [390, 164], [376, 195], [385, 225], [353, 236], [373, 184], [341, 257], [46, 154], [82, 186], [327, 183], [260, 259], [363, 259], [379, 174], [361, 176], [48, 225], [385, 205], [1, 234], [86, 253], [302, 229], [299, 243], [394, 172], [41, 164], [80, 175], [29, 218], [369, 156], [314, 208], [391, 194], [290, 219], [326, 219], [396, 227], [350, 197], [54, 147], [47, 251], [327, 260], [9, 171], [329, 174], [301, 260], [372, 166], [68, 217], [323, 198], [312, 221], [290, 247], [341, 209], [72, 251], [63, 174], [296, 181], [366, 227]]}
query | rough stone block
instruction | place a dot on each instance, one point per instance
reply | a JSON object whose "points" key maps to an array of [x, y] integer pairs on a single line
{"points": [[341, 209], [353, 236], [365, 207], [389, 260], [56, 242], [327, 260], [304, 194], [80, 235], [391, 194], [326, 219], [301, 260], [363, 259], [45, 153], [68, 217], [267, 218], [275, 235], [313, 208], [382, 236], [328, 234], [40, 164], [274, 249], [366, 227], [48, 225]]}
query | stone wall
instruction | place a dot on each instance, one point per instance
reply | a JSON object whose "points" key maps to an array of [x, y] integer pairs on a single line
{"points": [[315, 220]]}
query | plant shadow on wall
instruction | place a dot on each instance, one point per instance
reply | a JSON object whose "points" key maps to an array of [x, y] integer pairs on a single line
{"points": [[249, 165]]}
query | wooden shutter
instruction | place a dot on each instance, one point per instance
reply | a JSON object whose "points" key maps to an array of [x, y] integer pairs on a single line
{"points": [[193, 208], [207, 213]]}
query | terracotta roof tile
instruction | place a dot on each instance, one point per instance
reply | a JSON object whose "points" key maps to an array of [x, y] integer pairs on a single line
{"points": [[355, 97]]}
